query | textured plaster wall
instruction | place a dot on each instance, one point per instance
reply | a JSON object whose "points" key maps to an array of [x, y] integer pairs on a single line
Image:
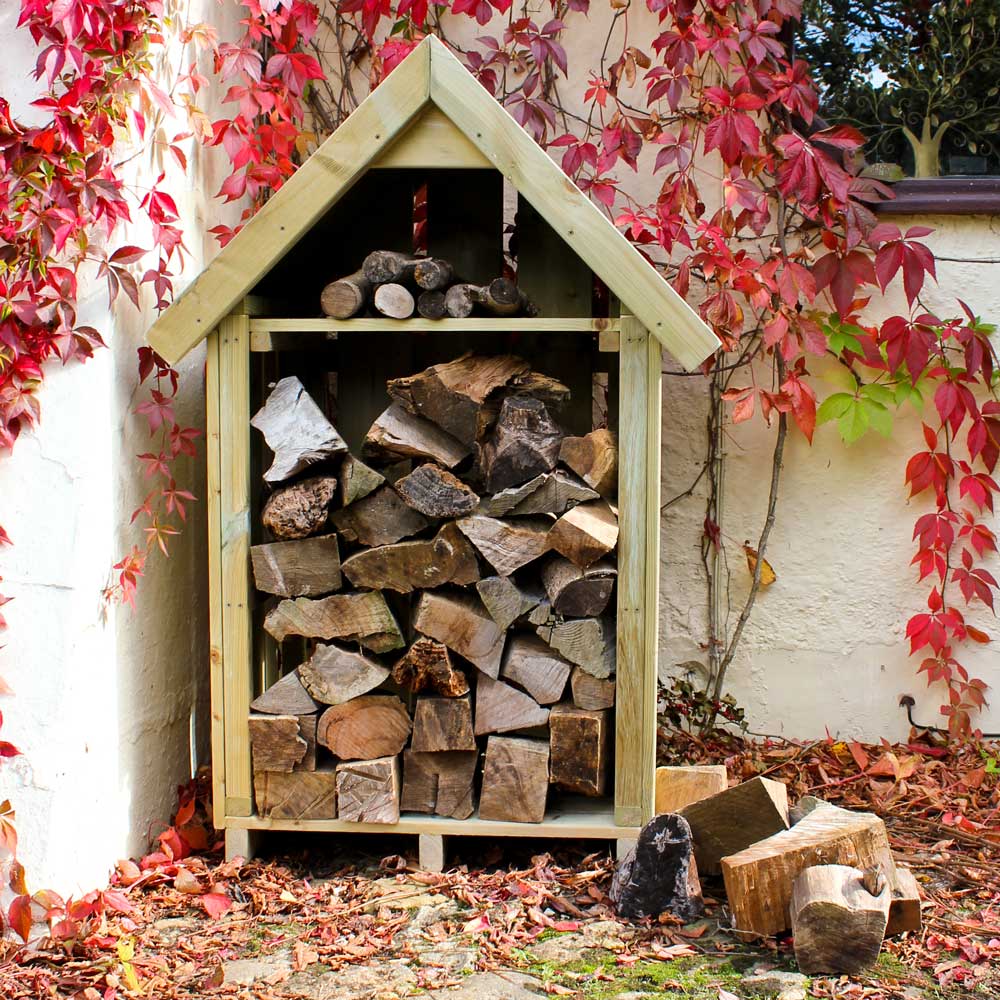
{"points": [[110, 705]]}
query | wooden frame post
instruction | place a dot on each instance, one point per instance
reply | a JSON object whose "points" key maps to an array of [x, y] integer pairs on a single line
{"points": [[638, 572]]}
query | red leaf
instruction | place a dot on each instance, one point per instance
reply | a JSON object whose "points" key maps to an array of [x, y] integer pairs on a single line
{"points": [[216, 904], [19, 916]]}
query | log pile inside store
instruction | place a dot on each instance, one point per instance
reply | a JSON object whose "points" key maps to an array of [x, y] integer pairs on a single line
{"points": [[446, 598]]}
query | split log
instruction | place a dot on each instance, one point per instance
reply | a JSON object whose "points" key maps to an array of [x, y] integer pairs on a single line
{"points": [[364, 618], [586, 532], [542, 614], [301, 509], [296, 430], [456, 396], [443, 724], [594, 458], [275, 742], [462, 624], [285, 696], [427, 667], [394, 301], [659, 875], [580, 749], [837, 924], [381, 266], [357, 480], [590, 643], [678, 787], [524, 443], [501, 708], [507, 545], [544, 388], [346, 297], [592, 693], [500, 297], [368, 791], [307, 730], [536, 667], [515, 780], [505, 600], [759, 879], [397, 432], [381, 518], [432, 273], [407, 566], [439, 783], [431, 305], [374, 725], [904, 907], [582, 593], [305, 568], [732, 820], [333, 675], [548, 493], [299, 795], [435, 492]]}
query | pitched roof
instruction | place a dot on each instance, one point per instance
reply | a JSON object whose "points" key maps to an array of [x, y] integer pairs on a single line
{"points": [[431, 75]]}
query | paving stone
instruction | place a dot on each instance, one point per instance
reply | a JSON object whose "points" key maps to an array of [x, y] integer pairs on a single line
{"points": [[244, 971], [384, 979], [493, 986], [776, 982]]}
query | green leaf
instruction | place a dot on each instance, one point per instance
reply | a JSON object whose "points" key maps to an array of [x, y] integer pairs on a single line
{"points": [[841, 377], [879, 416], [840, 340], [854, 422], [834, 407], [880, 393]]}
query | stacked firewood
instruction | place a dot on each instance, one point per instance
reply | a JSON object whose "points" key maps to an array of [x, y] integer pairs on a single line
{"points": [[397, 285], [471, 615]]}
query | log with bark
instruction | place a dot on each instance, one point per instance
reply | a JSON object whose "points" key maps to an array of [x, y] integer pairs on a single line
{"points": [[368, 790], [333, 675], [308, 567], [381, 518], [524, 443], [463, 625], [346, 297], [296, 430], [682, 786], [515, 780], [431, 305], [587, 642], [439, 783], [501, 297], [286, 696], [374, 725], [507, 545], [593, 693], [501, 708], [580, 593], [433, 273], [364, 618], [275, 742], [408, 566], [301, 509], [382, 266], [357, 480], [505, 600], [443, 724], [435, 492], [298, 795], [579, 744], [397, 432], [594, 458], [544, 388], [535, 666], [394, 301], [586, 532], [427, 666]]}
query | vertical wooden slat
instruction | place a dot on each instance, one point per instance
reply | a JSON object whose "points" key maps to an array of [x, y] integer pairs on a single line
{"points": [[213, 507], [638, 562], [234, 453]]}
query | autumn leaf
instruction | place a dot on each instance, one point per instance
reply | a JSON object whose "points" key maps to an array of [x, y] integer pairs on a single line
{"points": [[216, 904], [767, 574]]}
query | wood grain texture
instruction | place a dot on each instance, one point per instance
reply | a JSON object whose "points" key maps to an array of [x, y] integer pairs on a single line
{"points": [[523, 444], [535, 666], [275, 742], [364, 618], [463, 625], [443, 724], [501, 708], [515, 780], [399, 433], [333, 675], [426, 666], [380, 518], [585, 533], [286, 696], [555, 493], [587, 642], [441, 784], [681, 786], [594, 458], [435, 492], [904, 908], [368, 790], [592, 693], [505, 600], [306, 568], [579, 745], [346, 296], [357, 480], [299, 795], [507, 545], [432, 141], [374, 725], [301, 509], [578, 592]]}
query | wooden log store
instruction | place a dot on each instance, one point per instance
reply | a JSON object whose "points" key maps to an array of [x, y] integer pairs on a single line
{"points": [[433, 437]]}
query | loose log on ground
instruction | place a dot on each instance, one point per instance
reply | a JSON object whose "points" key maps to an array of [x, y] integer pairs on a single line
{"points": [[397, 432], [435, 492], [759, 879], [275, 742], [368, 791], [515, 780], [285, 696], [407, 566], [305, 568], [374, 725], [463, 625], [301, 509], [586, 532], [296, 430], [299, 795], [394, 301], [439, 783], [357, 480], [590, 643], [579, 746], [381, 266], [536, 667], [734, 819], [592, 693], [364, 618], [524, 443], [594, 458], [582, 593], [837, 924], [501, 708], [333, 675], [678, 787], [505, 600], [443, 724], [432, 273], [507, 545], [346, 297], [381, 518], [904, 907], [456, 396], [427, 666], [431, 305]]}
